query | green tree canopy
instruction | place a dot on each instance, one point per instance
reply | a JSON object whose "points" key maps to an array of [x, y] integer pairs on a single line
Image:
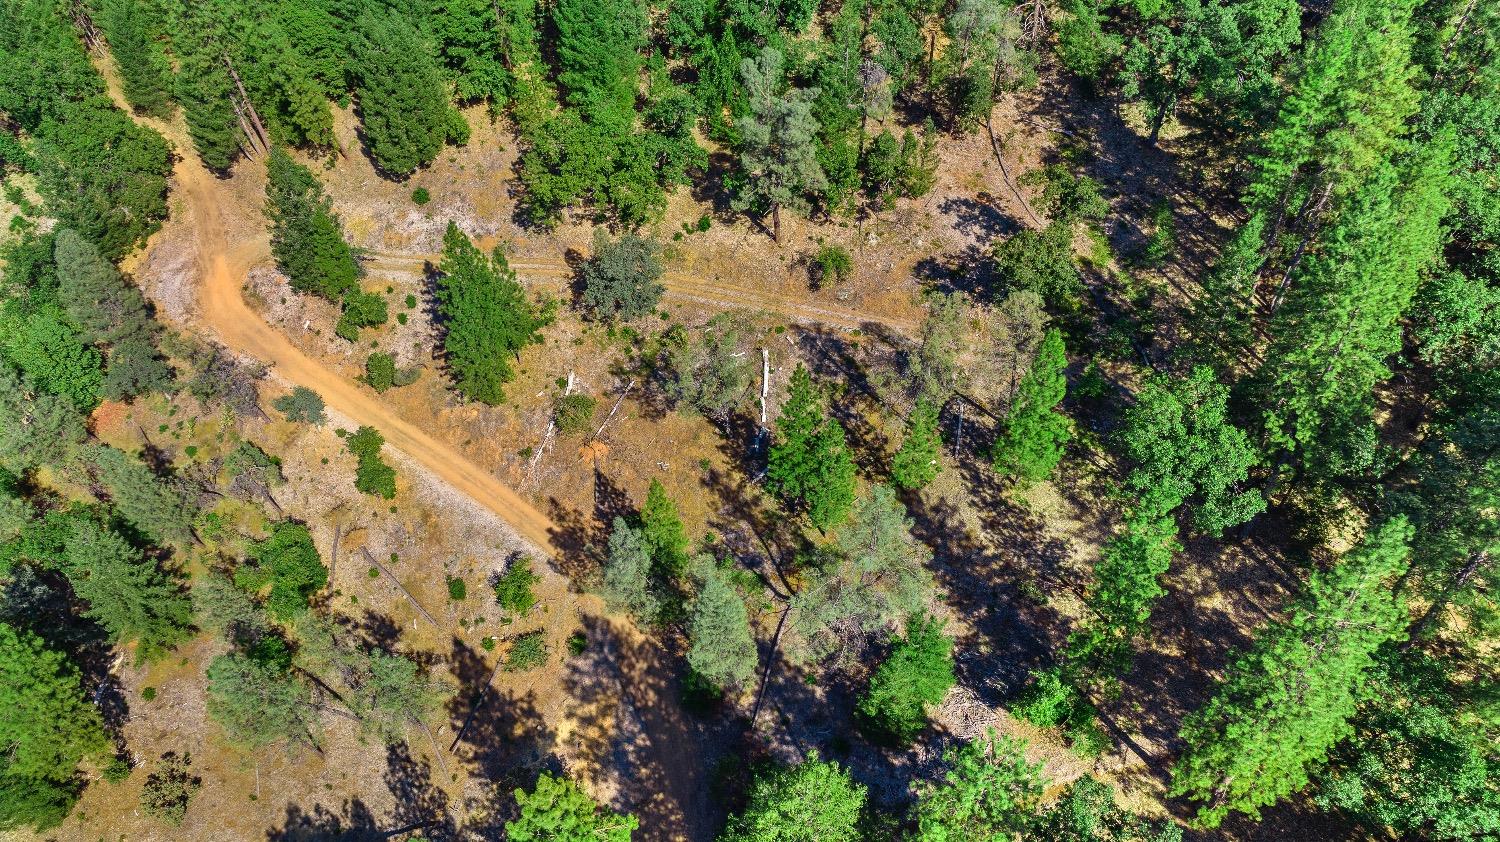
{"points": [[487, 317], [918, 674], [1288, 699], [47, 729], [990, 792], [721, 646], [558, 810], [809, 467], [307, 239], [814, 801], [1031, 444], [623, 277]]}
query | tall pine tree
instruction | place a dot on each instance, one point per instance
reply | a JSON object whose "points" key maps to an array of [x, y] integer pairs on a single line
{"points": [[1285, 701]]}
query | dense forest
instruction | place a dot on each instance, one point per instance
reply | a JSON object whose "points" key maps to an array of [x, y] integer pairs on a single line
{"points": [[1272, 377]]}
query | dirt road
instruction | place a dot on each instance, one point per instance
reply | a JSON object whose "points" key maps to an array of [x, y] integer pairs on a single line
{"points": [[224, 310]]}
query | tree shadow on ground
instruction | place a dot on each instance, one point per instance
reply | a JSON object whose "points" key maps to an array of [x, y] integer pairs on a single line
{"points": [[352, 823], [631, 728]]}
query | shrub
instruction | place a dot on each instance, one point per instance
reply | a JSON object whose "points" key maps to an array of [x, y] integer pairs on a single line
{"points": [[169, 789], [831, 264], [1163, 239], [457, 590], [527, 652], [577, 643], [420, 196], [574, 413], [1049, 701], [361, 309], [116, 770], [380, 371], [513, 590], [303, 404], [372, 476]]}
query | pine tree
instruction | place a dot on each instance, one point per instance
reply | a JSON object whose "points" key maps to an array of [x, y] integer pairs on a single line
{"points": [[814, 800], [1032, 442], [306, 237], [778, 149], [145, 74], [557, 809], [1288, 699], [722, 648], [403, 102], [207, 96], [110, 310], [48, 727], [627, 582], [598, 43], [872, 578], [159, 508], [662, 530], [918, 674], [259, 702], [991, 792], [487, 317], [919, 458], [809, 465], [126, 592]]}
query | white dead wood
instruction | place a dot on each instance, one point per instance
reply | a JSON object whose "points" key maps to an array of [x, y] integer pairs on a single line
{"points": [[547, 437], [616, 408]]}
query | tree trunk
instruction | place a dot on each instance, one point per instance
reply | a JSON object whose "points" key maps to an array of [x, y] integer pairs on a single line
{"points": [[260, 130], [776, 223]]}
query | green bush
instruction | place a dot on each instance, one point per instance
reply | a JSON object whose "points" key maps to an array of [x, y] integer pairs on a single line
{"points": [[361, 309], [169, 789], [457, 590], [1049, 701], [116, 770], [831, 264], [371, 475], [513, 590], [420, 196], [1163, 239], [380, 371], [527, 652], [574, 413]]}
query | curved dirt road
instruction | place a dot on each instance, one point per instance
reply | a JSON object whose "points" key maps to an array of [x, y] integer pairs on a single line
{"points": [[223, 308]]}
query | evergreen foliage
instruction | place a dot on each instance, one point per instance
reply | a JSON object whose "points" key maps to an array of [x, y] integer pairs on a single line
{"points": [[777, 141], [170, 788], [990, 792], [919, 458], [259, 702], [145, 73], [1288, 699], [302, 405], [710, 370], [558, 809], [49, 727], [486, 317], [403, 102], [360, 309], [809, 468], [289, 562], [1031, 444], [918, 673], [627, 584], [371, 475], [126, 592], [721, 646], [623, 277], [814, 801], [157, 507], [307, 239], [663, 533]]}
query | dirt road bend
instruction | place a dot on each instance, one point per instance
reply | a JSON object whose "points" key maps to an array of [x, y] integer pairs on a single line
{"points": [[224, 310]]}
